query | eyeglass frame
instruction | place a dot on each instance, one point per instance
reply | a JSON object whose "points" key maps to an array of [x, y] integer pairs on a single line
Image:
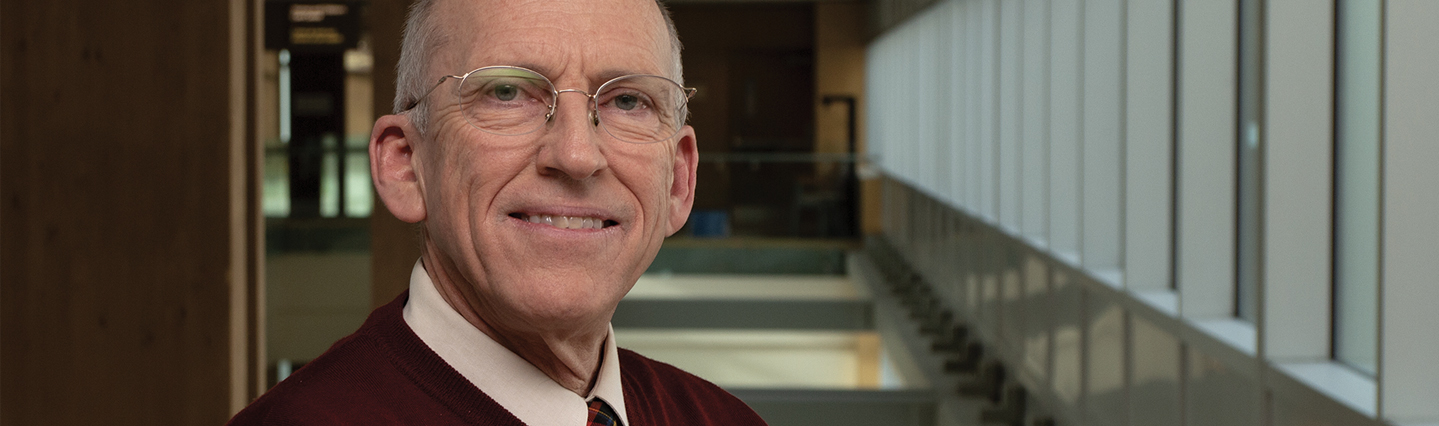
{"points": [[689, 92]]}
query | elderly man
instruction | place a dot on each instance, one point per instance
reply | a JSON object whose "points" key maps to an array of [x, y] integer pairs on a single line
{"points": [[542, 145]]}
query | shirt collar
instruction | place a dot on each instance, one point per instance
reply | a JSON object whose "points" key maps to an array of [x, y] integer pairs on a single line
{"points": [[510, 380]]}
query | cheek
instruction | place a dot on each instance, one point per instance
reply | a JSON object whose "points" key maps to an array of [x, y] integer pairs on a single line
{"points": [[649, 180], [474, 166], [448, 177]]}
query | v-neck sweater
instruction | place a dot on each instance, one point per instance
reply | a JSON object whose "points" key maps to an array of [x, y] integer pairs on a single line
{"points": [[384, 374]]}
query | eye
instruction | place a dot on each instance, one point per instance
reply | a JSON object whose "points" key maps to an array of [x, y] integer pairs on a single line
{"points": [[627, 102], [506, 92]]}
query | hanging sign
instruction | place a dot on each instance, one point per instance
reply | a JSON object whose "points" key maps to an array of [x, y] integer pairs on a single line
{"points": [[312, 26]]}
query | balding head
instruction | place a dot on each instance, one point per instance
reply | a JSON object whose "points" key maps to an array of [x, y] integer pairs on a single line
{"points": [[424, 37]]}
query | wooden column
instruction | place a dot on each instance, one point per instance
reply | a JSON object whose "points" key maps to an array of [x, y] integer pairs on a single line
{"points": [[394, 245], [129, 210]]}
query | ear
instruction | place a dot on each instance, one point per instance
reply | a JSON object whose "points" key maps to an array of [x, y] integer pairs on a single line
{"points": [[682, 189], [392, 166]]}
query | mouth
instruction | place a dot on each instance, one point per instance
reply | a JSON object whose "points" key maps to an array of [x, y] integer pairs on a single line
{"points": [[565, 222]]}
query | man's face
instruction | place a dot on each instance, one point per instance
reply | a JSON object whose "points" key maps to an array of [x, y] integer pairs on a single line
{"points": [[483, 193]]}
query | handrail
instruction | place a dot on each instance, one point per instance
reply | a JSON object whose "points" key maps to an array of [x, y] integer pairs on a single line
{"points": [[783, 157]]}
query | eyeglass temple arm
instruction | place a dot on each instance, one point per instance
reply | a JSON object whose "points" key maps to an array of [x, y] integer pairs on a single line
{"points": [[416, 102]]}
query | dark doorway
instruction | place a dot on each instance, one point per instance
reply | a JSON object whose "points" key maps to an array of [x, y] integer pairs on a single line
{"points": [[754, 117]]}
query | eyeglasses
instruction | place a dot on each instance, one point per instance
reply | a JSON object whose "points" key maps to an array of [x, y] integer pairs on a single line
{"points": [[510, 101]]}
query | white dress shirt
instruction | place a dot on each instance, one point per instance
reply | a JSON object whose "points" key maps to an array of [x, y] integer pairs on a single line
{"points": [[511, 381]]}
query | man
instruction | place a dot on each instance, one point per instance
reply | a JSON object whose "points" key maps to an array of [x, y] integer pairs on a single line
{"points": [[545, 180]]}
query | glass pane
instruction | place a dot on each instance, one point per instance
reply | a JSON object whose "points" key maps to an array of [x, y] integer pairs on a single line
{"points": [[1356, 191], [275, 198], [1251, 195], [359, 198], [330, 178], [358, 143]]}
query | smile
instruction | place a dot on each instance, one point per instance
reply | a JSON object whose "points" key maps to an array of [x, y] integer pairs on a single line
{"points": [[565, 222]]}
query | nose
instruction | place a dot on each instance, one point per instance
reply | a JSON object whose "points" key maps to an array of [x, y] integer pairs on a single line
{"points": [[571, 147]]}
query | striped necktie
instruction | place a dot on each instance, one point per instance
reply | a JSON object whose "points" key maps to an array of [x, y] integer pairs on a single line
{"points": [[601, 414]]}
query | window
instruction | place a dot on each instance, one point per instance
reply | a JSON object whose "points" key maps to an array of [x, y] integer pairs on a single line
{"points": [[1250, 156], [328, 175], [1356, 185]]}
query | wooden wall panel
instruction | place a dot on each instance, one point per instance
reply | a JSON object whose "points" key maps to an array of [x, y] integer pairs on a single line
{"points": [[119, 239]]}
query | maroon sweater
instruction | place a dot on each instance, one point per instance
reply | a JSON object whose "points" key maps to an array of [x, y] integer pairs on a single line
{"points": [[384, 374]]}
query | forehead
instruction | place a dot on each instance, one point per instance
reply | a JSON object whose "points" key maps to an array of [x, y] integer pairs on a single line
{"points": [[575, 38]]}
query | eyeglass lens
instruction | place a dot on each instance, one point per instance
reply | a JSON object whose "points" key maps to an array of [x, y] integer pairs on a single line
{"points": [[516, 101]]}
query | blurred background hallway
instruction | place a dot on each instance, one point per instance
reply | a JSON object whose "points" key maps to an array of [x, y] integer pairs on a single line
{"points": [[910, 212]]}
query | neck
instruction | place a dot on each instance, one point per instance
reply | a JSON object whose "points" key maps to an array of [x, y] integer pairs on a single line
{"points": [[571, 357], [574, 363]]}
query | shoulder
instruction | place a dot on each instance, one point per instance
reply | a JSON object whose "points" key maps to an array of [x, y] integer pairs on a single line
{"points": [[327, 390], [381, 374], [659, 393]]}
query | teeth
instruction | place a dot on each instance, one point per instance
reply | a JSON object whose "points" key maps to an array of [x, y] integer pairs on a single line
{"points": [[567, 222]]}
